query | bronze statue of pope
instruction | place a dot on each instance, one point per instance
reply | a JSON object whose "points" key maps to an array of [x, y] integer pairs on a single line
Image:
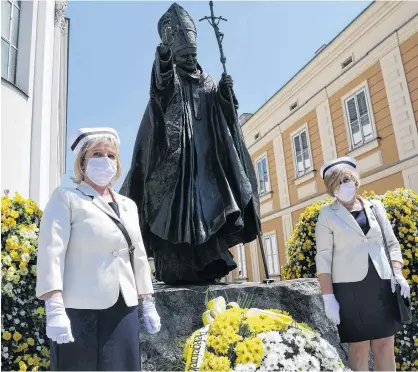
{"points": [[196, 194]]}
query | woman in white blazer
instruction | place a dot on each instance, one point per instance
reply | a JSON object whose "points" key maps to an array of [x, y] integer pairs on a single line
{"points": [[92, 267], [354, 271]]}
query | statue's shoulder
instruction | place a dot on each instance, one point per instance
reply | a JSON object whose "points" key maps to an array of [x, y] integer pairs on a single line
{"points": [[207, 80]]}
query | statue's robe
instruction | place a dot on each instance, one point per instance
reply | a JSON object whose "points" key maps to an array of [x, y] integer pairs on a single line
{"points": [[191, 177]]}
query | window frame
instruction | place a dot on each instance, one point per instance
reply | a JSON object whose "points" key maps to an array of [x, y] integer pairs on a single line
{"points": [[11, 75], [241, 262], [266, 189], [273, 237], [344, 100], [296, 133]]}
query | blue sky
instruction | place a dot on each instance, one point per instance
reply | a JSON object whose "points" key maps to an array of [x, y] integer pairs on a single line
{"points": [[112, 47]]}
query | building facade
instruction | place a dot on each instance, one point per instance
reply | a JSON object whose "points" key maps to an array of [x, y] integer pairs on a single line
{"points": [[357, 97], [34, 72]]}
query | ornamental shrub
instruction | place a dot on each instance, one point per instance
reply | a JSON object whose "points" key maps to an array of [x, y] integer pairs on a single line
{"points": [[402, 210], [24, 344]]}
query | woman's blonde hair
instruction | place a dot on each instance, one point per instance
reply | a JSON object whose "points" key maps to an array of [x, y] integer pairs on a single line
{"points": [[333, 179], [80, 164]]}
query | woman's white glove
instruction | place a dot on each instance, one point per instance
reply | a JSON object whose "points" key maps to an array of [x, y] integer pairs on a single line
{"points": [[332, 308], [151, 318], [399, 278], [58, 326]]}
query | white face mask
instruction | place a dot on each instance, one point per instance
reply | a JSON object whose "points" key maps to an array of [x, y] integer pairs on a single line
{"points": [[101, 170], [346, 192]]}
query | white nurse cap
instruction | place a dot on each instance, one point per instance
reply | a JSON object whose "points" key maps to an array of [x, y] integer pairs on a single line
{"points": [[82, 135], [344, 162]]}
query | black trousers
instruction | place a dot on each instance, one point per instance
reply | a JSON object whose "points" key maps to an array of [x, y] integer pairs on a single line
{"points": [[104, 340]]}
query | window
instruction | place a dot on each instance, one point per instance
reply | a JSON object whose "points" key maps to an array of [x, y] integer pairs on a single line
{"points": [[302, 154], [293, 106], [359, 120], [263, 175], [347, 62], [272, 255], [10, 15], [242, 264]]}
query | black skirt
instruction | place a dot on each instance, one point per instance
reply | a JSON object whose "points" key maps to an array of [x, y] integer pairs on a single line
{"points": [[104, 340], [367, 308]]}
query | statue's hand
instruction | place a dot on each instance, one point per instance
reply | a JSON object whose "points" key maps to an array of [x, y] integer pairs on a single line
{"points": [[164, 50], [226, 82], [167, 38]]}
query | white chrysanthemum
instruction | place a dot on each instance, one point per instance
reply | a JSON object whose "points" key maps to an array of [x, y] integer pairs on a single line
{"points": [[245, 367], [276, 345], [8, 288], [7, 260], [25, 257], [300, 341], [288, 365], [271, 360]]}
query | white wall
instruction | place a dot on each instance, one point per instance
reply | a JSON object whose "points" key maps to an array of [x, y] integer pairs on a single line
{"points": [[16, 114], [32, 122]]}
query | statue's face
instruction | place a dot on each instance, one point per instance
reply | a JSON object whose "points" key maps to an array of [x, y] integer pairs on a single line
{"points": [[187, 59]]}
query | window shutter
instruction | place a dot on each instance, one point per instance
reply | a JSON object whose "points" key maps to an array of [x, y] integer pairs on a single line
{"points": [[243, 264], [304, 140], [265, 175], [276, 267], [352, 112], [305, 147], [354, 122], [364, 115], [298, 149], [361, 102], [298, 155], [239, 261], [268, 254], [260, 176]]}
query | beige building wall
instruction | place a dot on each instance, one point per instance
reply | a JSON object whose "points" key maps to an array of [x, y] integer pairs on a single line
{"points": [[383, 45], [409, 52]]}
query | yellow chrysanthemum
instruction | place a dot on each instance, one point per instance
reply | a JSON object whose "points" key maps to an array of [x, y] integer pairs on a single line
{"points": [[36, 360], [14, 214], [17, 336], [22, 366], [7, 335], [14, 256]]}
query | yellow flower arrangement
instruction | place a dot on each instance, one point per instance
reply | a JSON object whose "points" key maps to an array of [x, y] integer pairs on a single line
{"points": [[402, 210], [23, 339], [235, 339]]}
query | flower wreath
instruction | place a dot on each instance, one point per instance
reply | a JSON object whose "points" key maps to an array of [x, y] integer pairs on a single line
{"points": [[235, 339]]}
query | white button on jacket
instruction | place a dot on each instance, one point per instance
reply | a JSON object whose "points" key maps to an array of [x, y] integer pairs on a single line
{"points": [[343, 249], [82, 252]]}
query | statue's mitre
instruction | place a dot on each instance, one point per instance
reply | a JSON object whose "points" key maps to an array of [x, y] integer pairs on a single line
{"points": [[182, 27]]}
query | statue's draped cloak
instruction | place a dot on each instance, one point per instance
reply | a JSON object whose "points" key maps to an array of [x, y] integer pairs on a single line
{"points": [[196, 192]]}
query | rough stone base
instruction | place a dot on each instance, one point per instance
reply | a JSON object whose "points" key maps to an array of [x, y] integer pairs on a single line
{"points": [[181, 310]]}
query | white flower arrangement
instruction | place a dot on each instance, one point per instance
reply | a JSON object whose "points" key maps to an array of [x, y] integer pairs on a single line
{"points": [[295, 350]]}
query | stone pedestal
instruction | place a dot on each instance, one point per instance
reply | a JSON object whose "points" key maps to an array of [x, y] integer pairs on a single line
{"points": [[181, 310]]}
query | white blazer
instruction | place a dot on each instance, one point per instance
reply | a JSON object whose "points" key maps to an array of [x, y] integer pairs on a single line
{"points": [[343, 249], [84, 254]]}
